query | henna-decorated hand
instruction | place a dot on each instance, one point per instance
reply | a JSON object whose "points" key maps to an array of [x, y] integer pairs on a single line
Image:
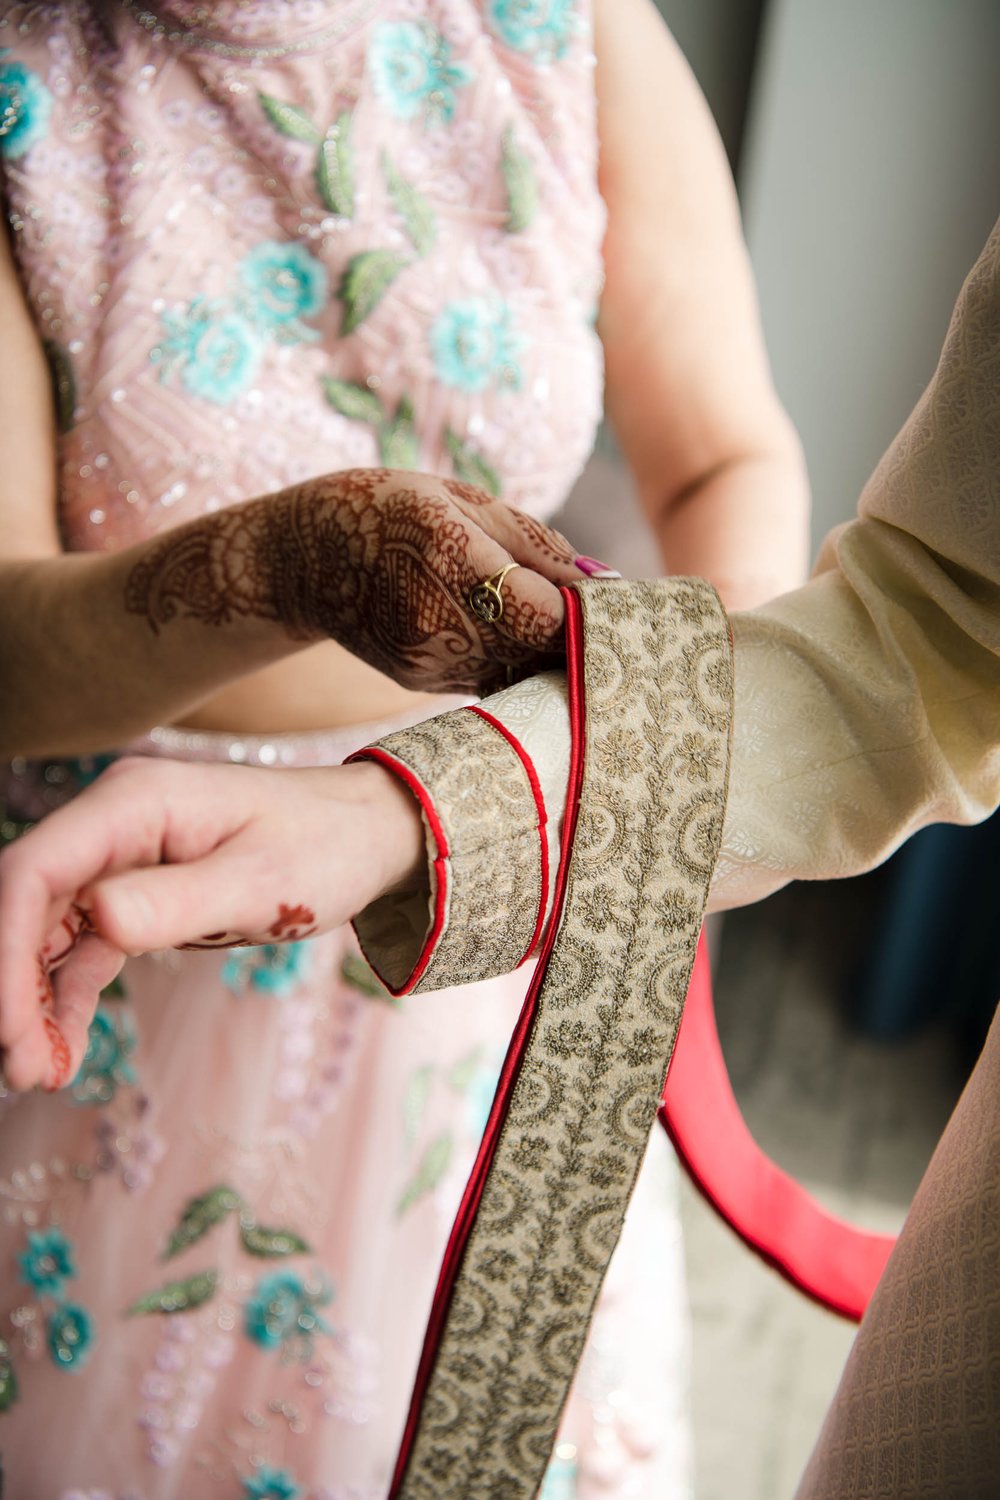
{"points": [[382, 561], [155, 855]]}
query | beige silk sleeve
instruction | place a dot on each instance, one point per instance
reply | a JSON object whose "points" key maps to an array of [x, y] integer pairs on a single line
{"points": [[867, 704]]}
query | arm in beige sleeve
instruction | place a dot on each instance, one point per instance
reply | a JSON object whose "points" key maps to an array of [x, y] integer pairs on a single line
{"points": [[867, 702]]}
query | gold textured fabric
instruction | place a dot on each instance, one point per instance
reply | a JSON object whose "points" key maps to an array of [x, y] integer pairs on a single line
{"points": [[484, 867], [657, 706]]}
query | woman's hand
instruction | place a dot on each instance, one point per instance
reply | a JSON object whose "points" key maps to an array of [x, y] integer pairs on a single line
{"points": [[381, 560], [158, 854]]}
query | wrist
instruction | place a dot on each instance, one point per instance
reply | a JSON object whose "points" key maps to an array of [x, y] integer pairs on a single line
{"points": [[398, 847]]}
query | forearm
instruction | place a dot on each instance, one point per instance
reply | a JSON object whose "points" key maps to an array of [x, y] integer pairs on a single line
{"points": [[744, 526], [81, 673], [98, 648]]}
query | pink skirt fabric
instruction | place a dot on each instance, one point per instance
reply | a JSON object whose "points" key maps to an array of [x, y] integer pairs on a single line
{"points": [[220, 1245]]}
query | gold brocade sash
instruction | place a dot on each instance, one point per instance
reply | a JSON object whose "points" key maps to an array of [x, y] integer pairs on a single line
{"points": [[650, 682]]}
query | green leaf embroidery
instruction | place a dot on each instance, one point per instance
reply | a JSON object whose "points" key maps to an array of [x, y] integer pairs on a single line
{"points": [[412, 207], [461, 1074], [178, 1296], [355, 972], [200, 1215], [365, 282], [522, 184], [9, 1391], [335, 167], [290, 120], [430, 1169], [270, 1244], [63, 383], [470, 466], [415, 1097], [353, 400], [399, 446]]}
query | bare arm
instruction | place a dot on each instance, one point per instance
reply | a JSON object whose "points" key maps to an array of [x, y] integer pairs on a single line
{"points": [[716, 461], [96, 648]]}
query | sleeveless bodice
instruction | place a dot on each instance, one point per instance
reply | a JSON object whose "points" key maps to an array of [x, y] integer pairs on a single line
{"points": [[263, 241]]}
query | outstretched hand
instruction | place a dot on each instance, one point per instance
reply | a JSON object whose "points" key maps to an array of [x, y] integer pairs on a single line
{"points": [[381, 560], [157, 854]]}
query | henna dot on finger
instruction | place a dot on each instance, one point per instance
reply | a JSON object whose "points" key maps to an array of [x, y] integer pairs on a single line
{"points": [[292, 923]]}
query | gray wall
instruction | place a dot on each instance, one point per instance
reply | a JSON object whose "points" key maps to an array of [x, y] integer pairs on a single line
{"points": [[719, 40], [870, 179]]}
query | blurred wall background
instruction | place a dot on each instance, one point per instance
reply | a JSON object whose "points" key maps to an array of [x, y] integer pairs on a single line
{"points": [[865, 139]]}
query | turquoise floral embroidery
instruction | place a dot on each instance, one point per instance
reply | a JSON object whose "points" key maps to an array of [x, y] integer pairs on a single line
{"points": [[47, 1263], [479, 1098], [284, 284], [541, 28], [25, 108], [413, 72], [474, 345], [281, 1313], [217, 350], [217, 344], [273, 969], [71, 1333], [560, 1481], [110, 1043], [270, 1484]]}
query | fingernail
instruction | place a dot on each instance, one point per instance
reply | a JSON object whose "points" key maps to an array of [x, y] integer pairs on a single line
{"points": [[594, 569]]}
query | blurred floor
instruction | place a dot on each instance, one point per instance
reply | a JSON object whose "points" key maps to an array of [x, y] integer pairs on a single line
{"points": [[855, 1120]]}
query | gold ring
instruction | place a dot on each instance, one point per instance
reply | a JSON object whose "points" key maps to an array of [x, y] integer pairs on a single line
{"points": [[486, 600]]}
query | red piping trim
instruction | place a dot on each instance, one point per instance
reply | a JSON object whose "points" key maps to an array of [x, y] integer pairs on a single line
{"points": [[441, 867], [469, 1207], [830, 1260], [543, 818]]}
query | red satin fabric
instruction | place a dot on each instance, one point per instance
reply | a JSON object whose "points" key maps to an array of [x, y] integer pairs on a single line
{"points": [[831, 1261]]}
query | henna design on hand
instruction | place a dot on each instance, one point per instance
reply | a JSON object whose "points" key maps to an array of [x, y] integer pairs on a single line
{"points": [[58, 1045], [379, 561], [60, 1055], [543, 539], [292, 923], [469, 494], [551, 544]]}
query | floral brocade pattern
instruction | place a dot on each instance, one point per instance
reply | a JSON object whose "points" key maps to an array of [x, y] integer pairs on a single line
{"points": [[478, 785], [657, 679]]}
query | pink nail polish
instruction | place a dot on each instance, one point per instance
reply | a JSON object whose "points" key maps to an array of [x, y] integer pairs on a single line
{"points": [[595, 569]]}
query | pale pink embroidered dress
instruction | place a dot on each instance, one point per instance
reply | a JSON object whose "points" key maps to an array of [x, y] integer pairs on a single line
{"points": [[264, 241]]}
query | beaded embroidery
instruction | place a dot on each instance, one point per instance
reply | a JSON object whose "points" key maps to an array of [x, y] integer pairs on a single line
{"points": [[256, 250]]}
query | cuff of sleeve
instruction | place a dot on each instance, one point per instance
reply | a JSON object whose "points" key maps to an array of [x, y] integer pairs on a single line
{"points": [[490, 781]]}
